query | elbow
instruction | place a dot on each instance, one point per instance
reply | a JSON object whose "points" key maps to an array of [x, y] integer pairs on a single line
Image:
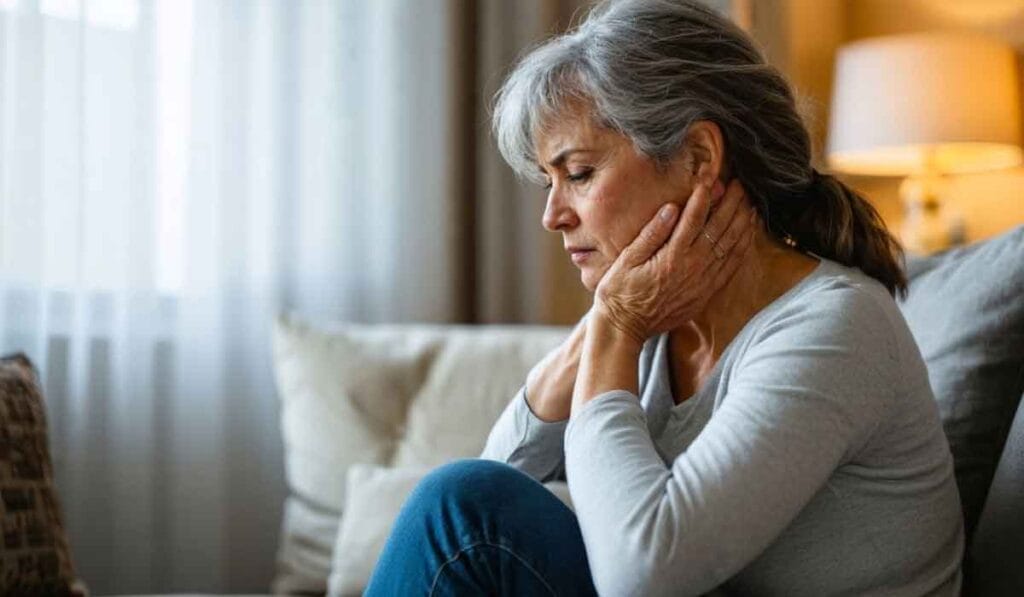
{"points": [[655, 549], [669, 570], [631, 573], [619, 578]]}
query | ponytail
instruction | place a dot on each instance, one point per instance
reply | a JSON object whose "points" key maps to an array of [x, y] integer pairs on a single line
{"points": [[834, 221]]}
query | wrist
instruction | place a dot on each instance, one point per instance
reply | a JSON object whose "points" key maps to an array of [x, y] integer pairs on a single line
{"points": [[546, 397], [548, 412], [609, 361], [604, 331]]}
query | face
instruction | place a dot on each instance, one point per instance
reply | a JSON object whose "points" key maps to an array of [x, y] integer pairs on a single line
{"points": [[602, 191]]}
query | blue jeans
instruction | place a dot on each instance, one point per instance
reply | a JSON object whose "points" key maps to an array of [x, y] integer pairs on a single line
{"points": [[480, 527]]}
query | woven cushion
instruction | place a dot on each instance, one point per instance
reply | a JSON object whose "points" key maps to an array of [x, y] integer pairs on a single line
{"points": [[35, 559], [387, 395], [966, 311]]}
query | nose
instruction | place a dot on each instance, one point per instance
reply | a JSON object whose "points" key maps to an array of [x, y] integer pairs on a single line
{"points": [[558, 213]]}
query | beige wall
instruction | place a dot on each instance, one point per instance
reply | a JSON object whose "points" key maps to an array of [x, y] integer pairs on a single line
{"points": [[805, 49]]}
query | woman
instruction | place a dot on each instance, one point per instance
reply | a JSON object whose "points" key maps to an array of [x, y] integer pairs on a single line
{"points": [[743, 410]]}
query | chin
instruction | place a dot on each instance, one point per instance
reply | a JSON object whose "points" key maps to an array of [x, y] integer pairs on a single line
{"points": [[590, 279]]}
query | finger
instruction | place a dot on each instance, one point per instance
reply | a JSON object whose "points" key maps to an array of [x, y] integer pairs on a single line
{"points": [[652, 236], [689, 228], [741, 224], [733, 261], [721, 218], [695, 213], [717, 190]]}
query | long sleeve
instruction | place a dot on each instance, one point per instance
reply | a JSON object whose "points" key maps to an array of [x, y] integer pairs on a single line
{"points": [[805, 395], [524, 441]]}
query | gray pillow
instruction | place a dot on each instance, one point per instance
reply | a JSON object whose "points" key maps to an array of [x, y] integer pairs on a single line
{"points": [[994, 564], [966, 311]]}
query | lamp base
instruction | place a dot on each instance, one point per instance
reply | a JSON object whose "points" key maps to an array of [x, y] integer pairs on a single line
{"points": [[929, 225]]}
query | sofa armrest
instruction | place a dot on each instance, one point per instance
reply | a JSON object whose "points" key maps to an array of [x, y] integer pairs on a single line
{"points": [[994, 562]]}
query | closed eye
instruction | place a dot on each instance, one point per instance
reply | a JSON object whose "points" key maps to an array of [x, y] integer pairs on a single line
{"points": [[581, 176]]}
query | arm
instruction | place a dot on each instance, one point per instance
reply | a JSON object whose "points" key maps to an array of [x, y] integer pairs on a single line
{"points": [[803, 399], [529, 433]]}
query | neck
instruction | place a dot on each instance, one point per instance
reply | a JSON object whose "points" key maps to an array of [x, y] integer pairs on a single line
{"points": [[769, 270]]}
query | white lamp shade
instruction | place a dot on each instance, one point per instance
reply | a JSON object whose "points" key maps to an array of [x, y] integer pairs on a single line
{"points": [[933, 102]]}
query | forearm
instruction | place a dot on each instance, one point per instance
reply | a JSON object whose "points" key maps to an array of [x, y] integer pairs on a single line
{"points": [[528, 434], [525, 442], [608, 362], [611, 464], [617, 481]]}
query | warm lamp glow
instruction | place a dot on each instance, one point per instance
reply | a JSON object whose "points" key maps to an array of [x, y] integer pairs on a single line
{"points": [[949, 158], [925, 103], [924, 106], [977, 13]]}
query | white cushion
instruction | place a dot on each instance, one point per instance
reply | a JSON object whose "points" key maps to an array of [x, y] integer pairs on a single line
{"points": [[472, 378], [374, 498], [405, 395]]}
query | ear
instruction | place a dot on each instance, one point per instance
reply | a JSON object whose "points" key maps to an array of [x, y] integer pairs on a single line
{"points": [[705, 147]]}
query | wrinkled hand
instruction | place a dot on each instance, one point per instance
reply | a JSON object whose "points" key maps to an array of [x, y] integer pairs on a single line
{"points": [[666, 276]]}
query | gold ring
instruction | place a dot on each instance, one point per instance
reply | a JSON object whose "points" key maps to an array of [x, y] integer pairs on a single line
{"points": [[719, 253], [714, 243]]}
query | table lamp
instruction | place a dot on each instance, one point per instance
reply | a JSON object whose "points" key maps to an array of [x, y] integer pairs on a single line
{"points": [[924, 106]]}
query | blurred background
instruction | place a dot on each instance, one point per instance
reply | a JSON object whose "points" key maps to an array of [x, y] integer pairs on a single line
{"points": [[175, 173]]}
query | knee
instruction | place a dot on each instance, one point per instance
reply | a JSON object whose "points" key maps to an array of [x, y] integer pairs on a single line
{"points": [[471, 480]]}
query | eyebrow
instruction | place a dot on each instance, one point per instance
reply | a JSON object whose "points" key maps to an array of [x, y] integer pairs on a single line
{"points": [[559, 158]]}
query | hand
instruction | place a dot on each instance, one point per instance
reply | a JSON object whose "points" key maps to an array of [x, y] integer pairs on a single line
{"points": [[666, 276], [549, 385]]}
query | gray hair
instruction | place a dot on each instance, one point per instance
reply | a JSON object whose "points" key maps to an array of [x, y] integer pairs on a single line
{"points": [[649, 69]]}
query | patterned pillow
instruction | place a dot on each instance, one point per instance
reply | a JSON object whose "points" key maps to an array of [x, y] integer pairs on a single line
{"points": [[35, 558]]}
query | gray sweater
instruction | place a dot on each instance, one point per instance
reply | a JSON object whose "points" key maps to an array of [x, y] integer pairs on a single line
{"points": [[811, 462]]}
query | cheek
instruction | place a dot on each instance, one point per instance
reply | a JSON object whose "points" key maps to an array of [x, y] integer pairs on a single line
{"points": [[621, 203], [625, 224], [613, 216]]}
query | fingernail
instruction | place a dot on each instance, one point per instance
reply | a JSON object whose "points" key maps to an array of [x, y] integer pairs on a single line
{"points": [[667, 211], [719, 189]]}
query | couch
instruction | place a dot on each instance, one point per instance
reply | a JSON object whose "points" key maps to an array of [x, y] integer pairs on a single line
{"points": [[367, 411]]}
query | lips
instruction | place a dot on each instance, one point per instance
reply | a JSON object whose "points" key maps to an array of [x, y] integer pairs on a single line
{"points": [[579, 254]]}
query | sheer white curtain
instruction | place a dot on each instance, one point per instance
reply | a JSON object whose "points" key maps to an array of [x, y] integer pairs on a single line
{"points": [[172, 174]]}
